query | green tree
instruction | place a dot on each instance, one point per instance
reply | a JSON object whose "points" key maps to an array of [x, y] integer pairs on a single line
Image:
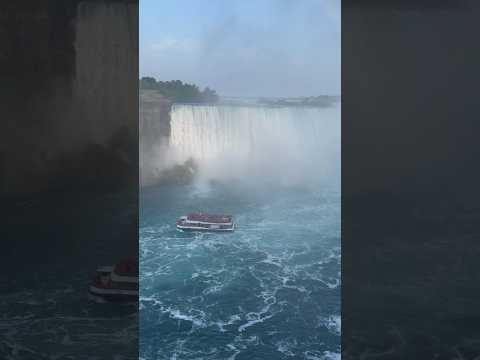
{"points": [[178, 91]]}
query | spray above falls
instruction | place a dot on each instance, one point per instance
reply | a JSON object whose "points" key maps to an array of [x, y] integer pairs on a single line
{"points": [[283, 145]]}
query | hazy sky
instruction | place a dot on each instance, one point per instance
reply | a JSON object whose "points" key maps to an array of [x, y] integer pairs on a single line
{"points": [[244, 48]]}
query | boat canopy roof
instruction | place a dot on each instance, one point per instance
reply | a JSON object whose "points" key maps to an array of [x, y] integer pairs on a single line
{"points": [[210, 218], [127, 267]]}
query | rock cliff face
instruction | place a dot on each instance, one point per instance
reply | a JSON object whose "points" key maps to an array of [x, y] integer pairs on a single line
{"points": [[154, 127], [68, 104]]}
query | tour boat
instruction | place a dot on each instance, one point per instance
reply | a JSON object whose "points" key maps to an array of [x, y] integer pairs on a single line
{"points": [[206, 222], [116, 283]]}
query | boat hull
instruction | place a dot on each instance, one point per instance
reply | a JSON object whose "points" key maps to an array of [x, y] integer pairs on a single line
{"points": [[113, 295], [204, 229]]}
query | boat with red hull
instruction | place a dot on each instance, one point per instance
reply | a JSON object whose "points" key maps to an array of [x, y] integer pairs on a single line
{"points": [[206, 222], [116, 283]]}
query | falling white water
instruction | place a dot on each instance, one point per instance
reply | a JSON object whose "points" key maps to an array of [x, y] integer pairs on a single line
{"points": [[106, 71], [290, 145]]}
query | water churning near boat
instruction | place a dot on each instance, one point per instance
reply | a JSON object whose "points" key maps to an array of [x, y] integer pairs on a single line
{"points": [[270, 289], [285, 145]]}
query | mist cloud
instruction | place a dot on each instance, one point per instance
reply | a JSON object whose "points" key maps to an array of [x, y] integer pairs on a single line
{"points": [[271, 48]]}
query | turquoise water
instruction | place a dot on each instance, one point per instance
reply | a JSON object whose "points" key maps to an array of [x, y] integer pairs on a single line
{"points": [[270, 290], [45, 309]]}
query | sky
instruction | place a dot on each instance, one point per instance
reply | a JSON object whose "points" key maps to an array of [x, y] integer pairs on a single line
{"points": [[244, 48]]}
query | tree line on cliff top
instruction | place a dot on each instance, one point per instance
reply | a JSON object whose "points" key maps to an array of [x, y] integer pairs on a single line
{"points": [[178, 91]]}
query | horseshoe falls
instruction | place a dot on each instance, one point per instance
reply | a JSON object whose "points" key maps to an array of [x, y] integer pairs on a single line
{"points": [[271, 289], [280, 145]]}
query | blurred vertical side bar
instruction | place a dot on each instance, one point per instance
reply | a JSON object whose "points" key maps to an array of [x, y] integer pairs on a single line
{"points": [[410, 175], [68, 178]]}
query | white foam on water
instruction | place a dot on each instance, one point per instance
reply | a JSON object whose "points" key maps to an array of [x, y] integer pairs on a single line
{"points": [[279, 254], [196, 317], [285, 347], [236, 352], [152, 299], [273, 260], [231, 320], [330, 355], [326, 355], [258, 319], [333, 323]]}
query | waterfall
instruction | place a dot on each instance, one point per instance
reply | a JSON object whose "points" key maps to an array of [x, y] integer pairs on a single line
{"points": [[154, 131], [69, 85], [106, 70], [288, 144]]}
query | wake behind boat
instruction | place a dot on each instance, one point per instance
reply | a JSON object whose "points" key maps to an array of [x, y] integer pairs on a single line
{"points": [[206, 222]]}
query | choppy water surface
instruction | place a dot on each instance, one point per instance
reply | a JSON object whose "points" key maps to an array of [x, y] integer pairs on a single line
{"points": [[271, 290], [45, 312]]}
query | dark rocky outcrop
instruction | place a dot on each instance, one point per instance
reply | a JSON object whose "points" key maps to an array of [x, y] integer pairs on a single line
{"points": [[177, 174]]}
